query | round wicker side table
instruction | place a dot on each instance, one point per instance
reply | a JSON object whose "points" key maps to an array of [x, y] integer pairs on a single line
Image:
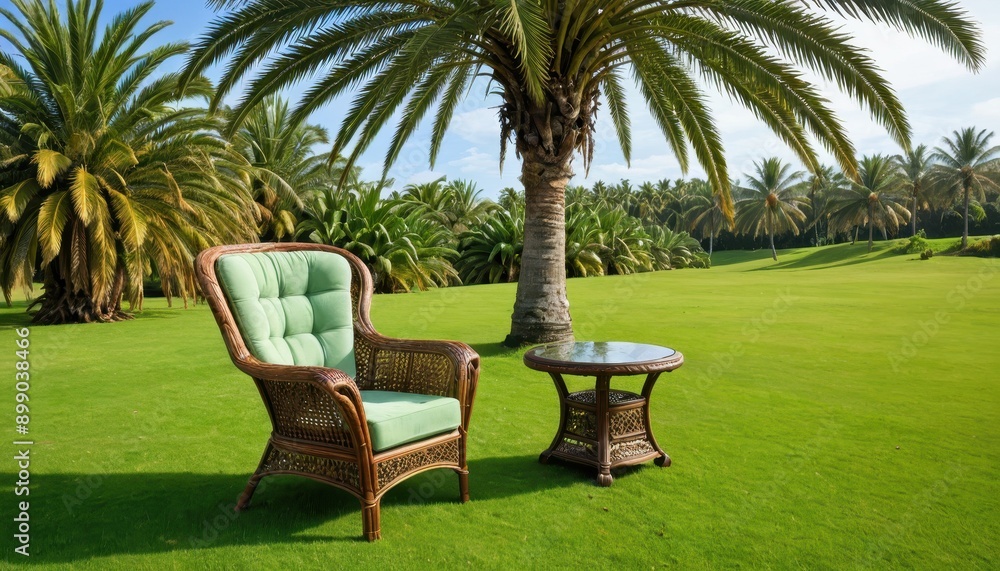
{"points": [[601, 427]]}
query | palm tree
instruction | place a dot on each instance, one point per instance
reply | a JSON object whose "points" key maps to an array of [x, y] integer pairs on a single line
{"points": [[671, 250], [703, 211], [583, 245], [511, 199], [466, 206], [968, 165], [873, 200], [624, 243], [672, 209], [824, 185], [403, 253], [107, 176], [771, 203], [915, 166], [577, 194], [286, 167], [428, 198], [553, 63], [647, 203], [490, 251]]}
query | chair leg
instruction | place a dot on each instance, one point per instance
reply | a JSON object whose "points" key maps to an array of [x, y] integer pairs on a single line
{"points": [[244, 501], [370, 513], [463, 484]]}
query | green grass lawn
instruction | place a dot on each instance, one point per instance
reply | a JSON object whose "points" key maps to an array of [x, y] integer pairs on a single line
{"points": [[836, 410]]}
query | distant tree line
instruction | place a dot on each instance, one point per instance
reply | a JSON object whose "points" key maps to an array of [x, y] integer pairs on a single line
{"points": [[112, 179]]}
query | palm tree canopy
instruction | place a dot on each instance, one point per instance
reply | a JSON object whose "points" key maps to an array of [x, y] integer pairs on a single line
{"points": [[286, 169], [915, 166], [967, 160], [874, 199], [552, 61], [403, 252], [771, 202], [108, 176]]}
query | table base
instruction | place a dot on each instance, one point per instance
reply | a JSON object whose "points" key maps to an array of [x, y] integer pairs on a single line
{"points": [[605, 428]]}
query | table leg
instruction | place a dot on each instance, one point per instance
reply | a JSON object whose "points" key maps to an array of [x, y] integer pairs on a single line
{"points": [[647, 389], [560, 384], [604, 477]]}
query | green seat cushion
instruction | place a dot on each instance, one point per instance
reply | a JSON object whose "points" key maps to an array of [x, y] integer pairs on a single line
{"points": [[398, 418], [292, 308]]}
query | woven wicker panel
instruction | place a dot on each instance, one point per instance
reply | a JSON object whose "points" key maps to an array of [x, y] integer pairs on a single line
{"points": [[627, 421], [629, 449], [307, 412], [389, 470], [363, 353], [577, 448], [336, 470], [391, 371], [614, 397], [431, 374], [582, 423], [410, 372]]}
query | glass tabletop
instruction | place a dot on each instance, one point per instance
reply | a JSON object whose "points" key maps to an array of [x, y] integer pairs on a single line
{"points": [[604, 353]]}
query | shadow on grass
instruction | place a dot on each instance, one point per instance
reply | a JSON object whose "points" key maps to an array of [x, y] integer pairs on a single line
{"points": [[15, 316], [497, 349], [82, 516], [832, 257]]}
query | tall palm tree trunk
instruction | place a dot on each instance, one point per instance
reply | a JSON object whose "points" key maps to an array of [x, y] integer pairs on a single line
{"points": [[770, 236], [66, 301], [913, 218], [965, 214], [812, 214], [711, 235], [871, 226], [541, 309]]}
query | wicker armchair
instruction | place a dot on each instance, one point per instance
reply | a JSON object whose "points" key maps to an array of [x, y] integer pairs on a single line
{"points": [[318, 413]]}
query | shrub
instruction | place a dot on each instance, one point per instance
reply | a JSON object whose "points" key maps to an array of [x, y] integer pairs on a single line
{"points": [[916, 244], [927, 254], [985, 248]]}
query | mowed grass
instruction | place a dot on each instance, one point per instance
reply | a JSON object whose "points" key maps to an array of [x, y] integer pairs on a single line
{"points": [[836, 410]]}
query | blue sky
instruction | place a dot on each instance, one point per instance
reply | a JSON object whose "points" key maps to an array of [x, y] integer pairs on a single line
{"points": [[939, 94]]}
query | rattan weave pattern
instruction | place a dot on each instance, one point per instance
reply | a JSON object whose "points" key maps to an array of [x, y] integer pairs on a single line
{"points": [[305, 411], [333, 469], [623, 450], [389, 470], [614, 397], [627, 421], [581, 422]]}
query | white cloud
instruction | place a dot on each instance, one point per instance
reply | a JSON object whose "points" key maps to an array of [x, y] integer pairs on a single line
{"points": [[988, 110], [476, 162], [653, 167], [477, 126]]}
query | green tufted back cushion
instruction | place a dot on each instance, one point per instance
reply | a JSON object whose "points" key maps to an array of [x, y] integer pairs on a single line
{"points": [[293, 308]]}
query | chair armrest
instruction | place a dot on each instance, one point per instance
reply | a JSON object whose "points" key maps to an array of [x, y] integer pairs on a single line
{"points": [[443, 368], [348, 410]]}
